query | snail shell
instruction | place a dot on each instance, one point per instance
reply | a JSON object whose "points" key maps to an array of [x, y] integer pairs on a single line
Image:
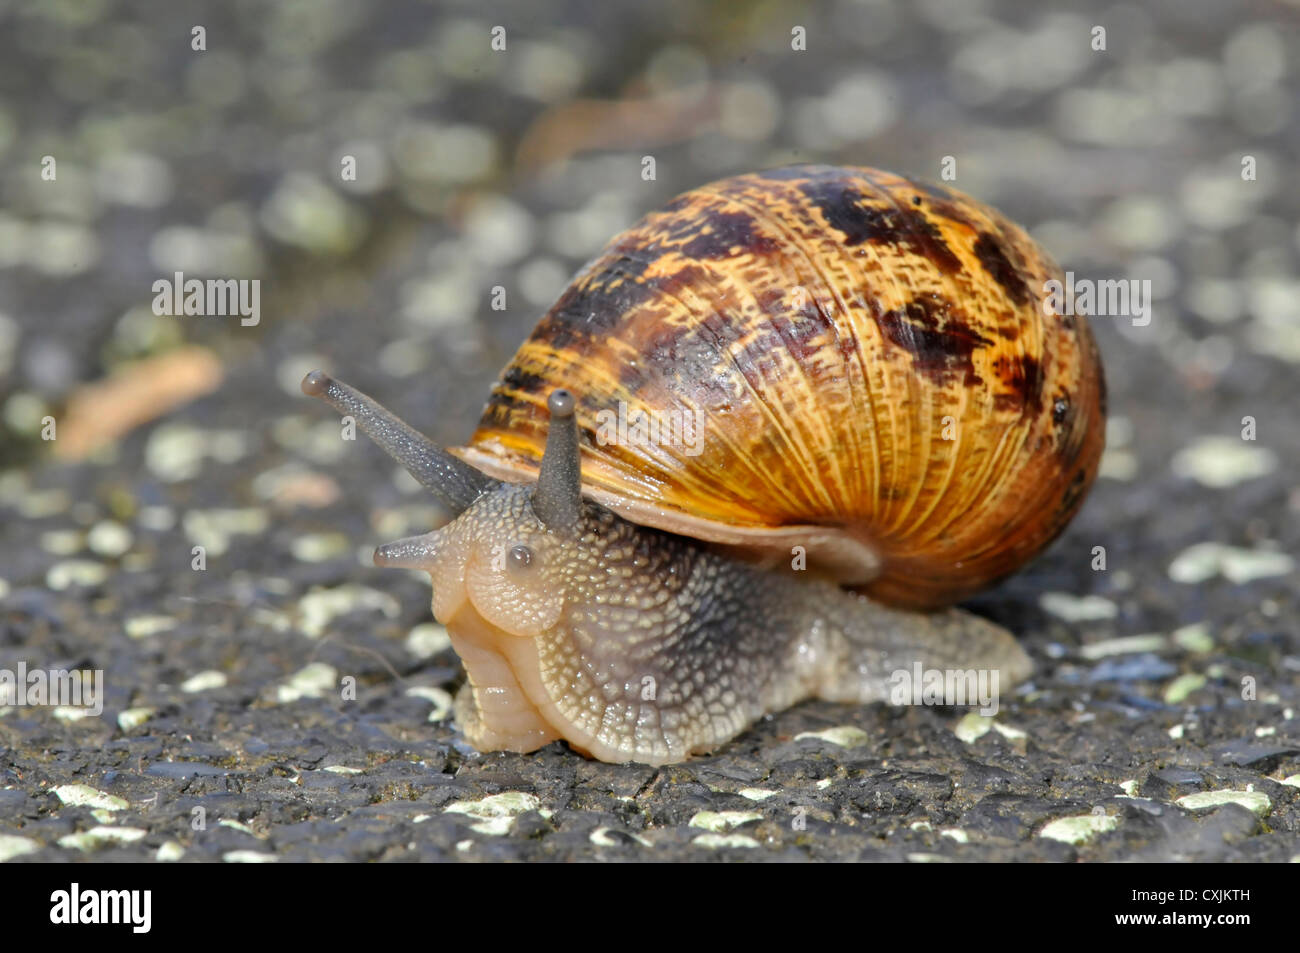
{"points": [[873, 365]]}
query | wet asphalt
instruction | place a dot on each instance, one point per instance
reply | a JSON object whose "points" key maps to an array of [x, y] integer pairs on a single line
{"points": [[290, 702]]}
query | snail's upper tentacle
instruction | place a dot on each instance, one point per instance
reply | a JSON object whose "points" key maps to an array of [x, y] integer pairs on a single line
{"points": [[453, 481], [558, 498]]}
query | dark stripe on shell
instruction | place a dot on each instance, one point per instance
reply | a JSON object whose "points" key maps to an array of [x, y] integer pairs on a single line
{"points": [[940, 342], [847, 211], [994, 259], [725, 235]]}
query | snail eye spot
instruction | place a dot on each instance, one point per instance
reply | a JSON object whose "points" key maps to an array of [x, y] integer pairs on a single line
{"points": [[1060, 410], [521, 557]]}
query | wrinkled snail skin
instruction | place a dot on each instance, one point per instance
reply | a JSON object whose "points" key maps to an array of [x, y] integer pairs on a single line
{"points": [[636, 645], [633, 644], [639, 601]]}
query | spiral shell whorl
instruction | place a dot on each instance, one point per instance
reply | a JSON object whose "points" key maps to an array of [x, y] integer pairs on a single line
{"points": [[824, 322]]}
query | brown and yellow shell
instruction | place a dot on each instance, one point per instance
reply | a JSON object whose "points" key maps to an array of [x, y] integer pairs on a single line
{"points": [[872, 365]]}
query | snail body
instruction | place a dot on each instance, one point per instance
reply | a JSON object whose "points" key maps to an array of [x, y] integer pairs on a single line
{"points": [[857, 379]]}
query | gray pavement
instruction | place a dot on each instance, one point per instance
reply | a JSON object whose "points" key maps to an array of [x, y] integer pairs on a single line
{"points": [[1162, 721]]}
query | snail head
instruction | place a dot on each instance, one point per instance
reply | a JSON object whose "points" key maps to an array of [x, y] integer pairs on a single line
{"points": [[509, 549]]}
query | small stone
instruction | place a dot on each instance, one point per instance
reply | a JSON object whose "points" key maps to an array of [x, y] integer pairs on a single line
{"points": [[1254, 801], [496, 813], [306, 212], [75, 572], [1220, 462], [83, 795], [312, 681], [722, 841], [973, 727], [427, 640], [142, 626], [320, 547], [109, 539], [1194, 638], [178, 451], [1009, 732], [204, 681], [213, 529], [605, 837], [1072, 608], [845, 736], [1126, 645], [1204, 561], [440, 699], [69, 713], [134, 717], [237, 826], [1118, 464], [1079, 829], [102, 836], [722, 821], [11, 846], [322, 606], [276, 621], [1178, 690]]}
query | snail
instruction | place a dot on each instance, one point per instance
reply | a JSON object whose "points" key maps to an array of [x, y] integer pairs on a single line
{"points": [[890, 417]]}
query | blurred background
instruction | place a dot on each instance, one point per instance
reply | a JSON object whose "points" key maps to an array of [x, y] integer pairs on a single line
{"points": [[382, 168], [479, 168]]}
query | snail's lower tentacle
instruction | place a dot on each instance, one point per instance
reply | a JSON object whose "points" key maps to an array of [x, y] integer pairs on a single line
{"points": [[413, 552]]}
